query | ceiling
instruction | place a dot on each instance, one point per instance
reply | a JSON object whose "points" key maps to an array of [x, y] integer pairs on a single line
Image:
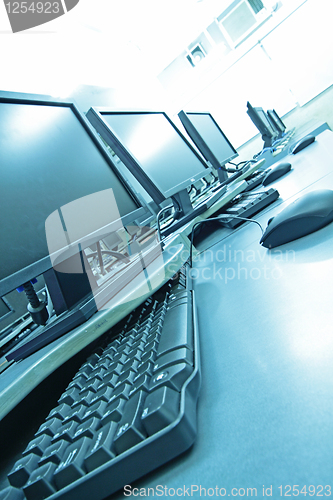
{"points": [[103, 42]]}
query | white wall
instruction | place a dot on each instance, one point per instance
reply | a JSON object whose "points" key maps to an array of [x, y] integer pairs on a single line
{"points": [[282, 66]]}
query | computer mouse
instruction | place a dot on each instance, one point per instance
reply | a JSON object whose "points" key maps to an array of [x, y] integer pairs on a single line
{"points": [[276, 172], [307, 214], [303, 143]]}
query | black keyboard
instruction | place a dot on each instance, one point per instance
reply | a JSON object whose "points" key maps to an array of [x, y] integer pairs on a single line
{"points": [[255, 180], [246, 205], [129, 409]]}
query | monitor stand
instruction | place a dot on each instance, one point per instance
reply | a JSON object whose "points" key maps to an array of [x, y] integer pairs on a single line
{"points": [[222, 174], [185, 212], [267, 141], [182, 203]]}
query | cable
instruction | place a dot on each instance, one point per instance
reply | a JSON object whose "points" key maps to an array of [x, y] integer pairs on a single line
{"points": [[37, 308], [219, 218], [243, 218], [242, 162]]}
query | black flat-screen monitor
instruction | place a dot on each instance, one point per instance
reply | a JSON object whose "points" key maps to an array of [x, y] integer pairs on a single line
{"points": [[59, 188], [153, 149], [209, 139], [261, 121], [276, 120]]}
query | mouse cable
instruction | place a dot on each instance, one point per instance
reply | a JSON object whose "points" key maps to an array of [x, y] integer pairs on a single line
{"points": [[226, 216]]}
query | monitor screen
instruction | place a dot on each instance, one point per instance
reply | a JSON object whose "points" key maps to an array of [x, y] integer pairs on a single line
{"points": [[260, 120], [151, 146], [208, 137], [53, 168], [265, 120]]}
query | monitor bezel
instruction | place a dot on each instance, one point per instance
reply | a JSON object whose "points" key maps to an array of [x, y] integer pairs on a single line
{"points": [[199, 141], [96, 117], [277, 120], [28, 273], [267, 122]]}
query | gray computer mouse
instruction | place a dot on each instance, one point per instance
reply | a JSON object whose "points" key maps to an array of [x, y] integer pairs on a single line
{"points": [[276, 172], [307, 214], [302, 144]]}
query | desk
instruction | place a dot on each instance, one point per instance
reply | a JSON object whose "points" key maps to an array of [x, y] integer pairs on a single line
{"points": [[265, 412], [309, 166], [313, 128]]}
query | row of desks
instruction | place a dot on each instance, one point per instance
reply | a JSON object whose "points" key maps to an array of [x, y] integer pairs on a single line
{"points": [[265, 413], [265, 409]]}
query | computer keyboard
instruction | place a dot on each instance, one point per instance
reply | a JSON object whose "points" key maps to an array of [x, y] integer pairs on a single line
{"points": [[255, 180], [246, 205], [129, 409]]}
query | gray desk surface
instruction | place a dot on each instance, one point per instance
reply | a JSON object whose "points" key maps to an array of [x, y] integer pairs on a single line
{"points": [[265, 412]]}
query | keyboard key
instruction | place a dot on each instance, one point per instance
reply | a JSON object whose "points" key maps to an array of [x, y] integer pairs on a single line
{"points": [[87, 428], [66, 432], [114, 411], [22, 470], [141, 382], [38, 445], [76, 413], [173, 357], [71, 467], [40, 484], [104, 394], [161, 408], [177, 330], [54, 453], [96, 410], [78, 381], [70, 396], [110, 380], [101, 449], [130, 430], [174, 376], [49, 427], [60, 412]]}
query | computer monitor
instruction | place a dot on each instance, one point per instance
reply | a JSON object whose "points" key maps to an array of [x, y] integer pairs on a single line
{"points": [[56, 178], [209, 139], [154, 150], [278, 123], [260, 120]]}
